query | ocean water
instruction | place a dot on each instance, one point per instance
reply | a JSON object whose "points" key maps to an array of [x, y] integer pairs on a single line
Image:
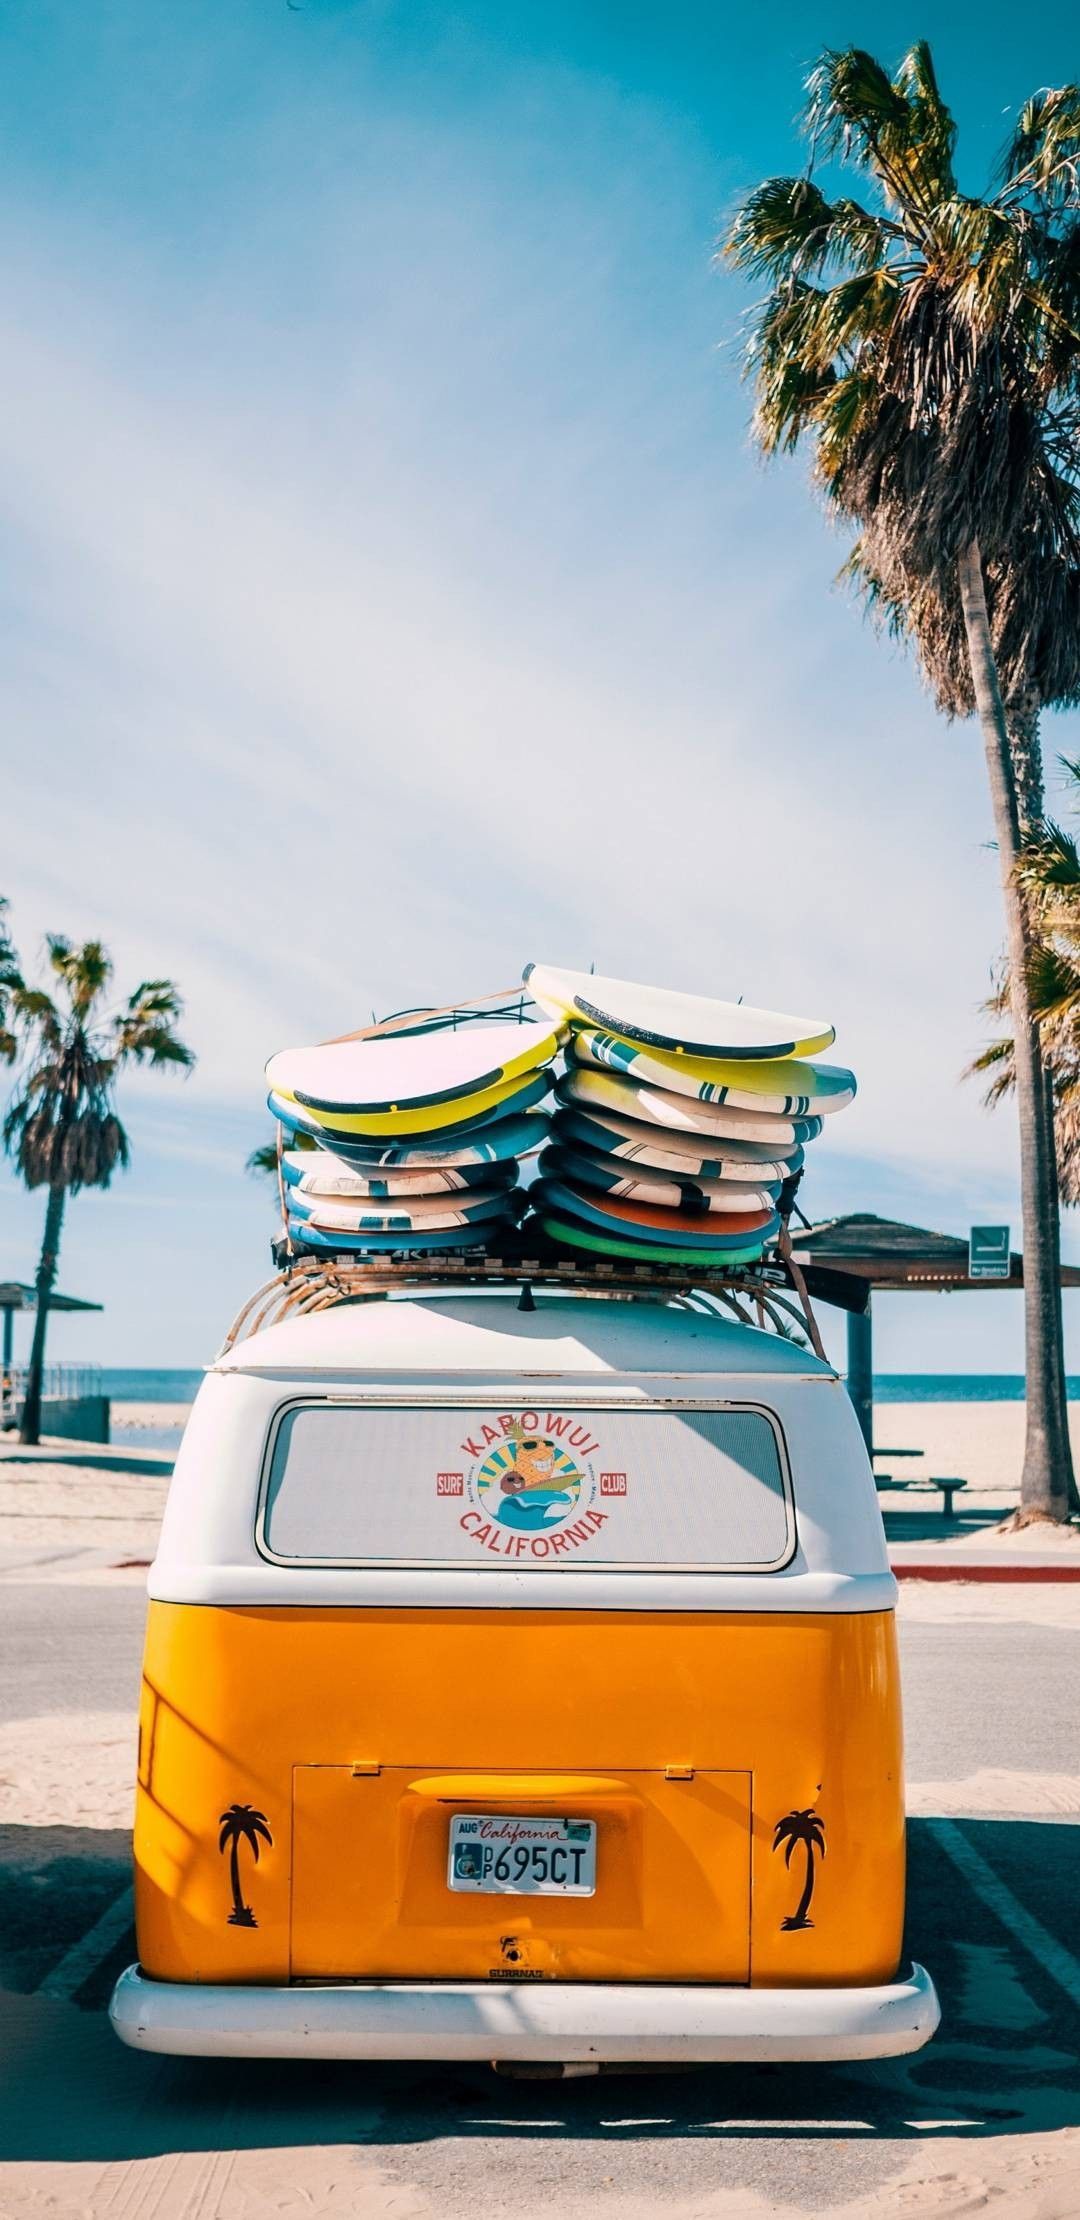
{"points": [[958, 1387], [140, 1386], [889, 1387]]}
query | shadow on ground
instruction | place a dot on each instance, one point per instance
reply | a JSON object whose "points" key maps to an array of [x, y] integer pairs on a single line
{"points": [[1005, 2061], [926, 1522], [55, 1882]]}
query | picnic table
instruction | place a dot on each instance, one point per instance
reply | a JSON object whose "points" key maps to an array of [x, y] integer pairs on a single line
{"points": [[946, 1487]]}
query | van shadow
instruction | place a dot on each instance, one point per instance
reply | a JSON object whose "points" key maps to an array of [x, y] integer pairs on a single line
{"points": [[1004, 2062]]}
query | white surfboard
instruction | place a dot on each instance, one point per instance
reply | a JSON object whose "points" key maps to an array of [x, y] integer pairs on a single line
{"points": [[411, 1071], [422, 1214], [690, 1024], [318, 1173], [605, 1132], [657, 1106]]}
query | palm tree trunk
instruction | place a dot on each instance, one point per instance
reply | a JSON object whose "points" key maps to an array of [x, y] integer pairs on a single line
{"points": [[30, 1428], [1047, 1486], [1022, 721], [234, 1877], [803, 1905]]}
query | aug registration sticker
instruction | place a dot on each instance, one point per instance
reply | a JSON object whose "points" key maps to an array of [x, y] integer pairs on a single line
{"points": [[503, 1856]]}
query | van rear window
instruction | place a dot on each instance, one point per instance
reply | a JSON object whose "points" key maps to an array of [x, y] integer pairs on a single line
{"points": [[569, 1488]]}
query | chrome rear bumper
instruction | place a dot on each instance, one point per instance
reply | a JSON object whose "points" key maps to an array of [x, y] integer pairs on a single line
{"points": [[567, 2023]]}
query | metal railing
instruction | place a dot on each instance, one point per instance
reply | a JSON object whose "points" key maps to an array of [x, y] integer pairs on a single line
{"points": [[60, 1382]]}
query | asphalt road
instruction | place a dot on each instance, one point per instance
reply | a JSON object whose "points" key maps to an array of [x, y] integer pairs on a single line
{"points": [[1000, 2084]]}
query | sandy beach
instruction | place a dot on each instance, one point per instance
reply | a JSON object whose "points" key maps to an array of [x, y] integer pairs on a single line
{"points": [[134, 1417], [983, 1443]]}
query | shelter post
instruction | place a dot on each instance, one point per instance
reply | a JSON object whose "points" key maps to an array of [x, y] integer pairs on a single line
{"points": [[860, 1370]]}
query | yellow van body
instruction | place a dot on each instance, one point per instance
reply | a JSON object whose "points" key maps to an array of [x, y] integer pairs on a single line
{"points": [[521, 1685]]}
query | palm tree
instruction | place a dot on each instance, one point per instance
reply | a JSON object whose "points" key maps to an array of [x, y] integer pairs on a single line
{"points": [[927, 346], [61, 1128], [242, 1823], [807, 1829]]}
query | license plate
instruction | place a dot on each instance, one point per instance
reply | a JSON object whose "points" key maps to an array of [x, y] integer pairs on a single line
{"points": [[503, 1856]]}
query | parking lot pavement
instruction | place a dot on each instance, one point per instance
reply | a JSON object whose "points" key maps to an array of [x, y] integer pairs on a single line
{"points": [[989, 2113]]}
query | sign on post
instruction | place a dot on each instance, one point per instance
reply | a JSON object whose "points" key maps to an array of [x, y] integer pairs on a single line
{"points": [[988, 1253]]}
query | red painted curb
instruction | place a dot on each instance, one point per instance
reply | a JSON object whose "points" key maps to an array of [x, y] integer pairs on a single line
{"points": [[969, 1571]]}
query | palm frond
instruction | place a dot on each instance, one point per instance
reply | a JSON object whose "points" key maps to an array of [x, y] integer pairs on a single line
{"points": [[787, 229], [85, 971], [932, 129], [143, 1033], [1044, 151], [141, 1043], [1054, 983], [1050, 861], [36, 1013], [61, 1128], [852, 104], [777, 229]]}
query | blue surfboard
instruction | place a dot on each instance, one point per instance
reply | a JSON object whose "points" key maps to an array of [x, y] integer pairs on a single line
{"points": [[390, 1244]]}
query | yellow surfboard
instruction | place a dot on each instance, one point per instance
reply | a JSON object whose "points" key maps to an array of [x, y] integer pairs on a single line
{"points": [[427, 1117], [783, 1084]]}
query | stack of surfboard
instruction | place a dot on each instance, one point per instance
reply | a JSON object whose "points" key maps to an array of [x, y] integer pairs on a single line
{"points": [[411, 1142], [678, 1119]]}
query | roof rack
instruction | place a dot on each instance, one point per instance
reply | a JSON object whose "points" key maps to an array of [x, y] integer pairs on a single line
{"points": [[754, 1294]]}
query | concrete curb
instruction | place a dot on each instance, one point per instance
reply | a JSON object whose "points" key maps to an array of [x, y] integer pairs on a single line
{"points": [[959, 1569]]}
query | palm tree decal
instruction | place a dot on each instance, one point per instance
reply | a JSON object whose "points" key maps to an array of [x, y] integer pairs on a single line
{"points": [[242, 1823], [805, 1829]]}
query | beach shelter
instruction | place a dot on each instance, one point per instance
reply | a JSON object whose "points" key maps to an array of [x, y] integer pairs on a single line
{"points": [[16, 1295], [862, 1253]]}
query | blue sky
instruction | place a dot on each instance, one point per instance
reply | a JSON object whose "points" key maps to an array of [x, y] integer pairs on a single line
{"points": [[389, 593]]}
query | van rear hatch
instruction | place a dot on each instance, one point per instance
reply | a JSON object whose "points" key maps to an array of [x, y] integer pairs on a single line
{"points": [[665, 1861]]}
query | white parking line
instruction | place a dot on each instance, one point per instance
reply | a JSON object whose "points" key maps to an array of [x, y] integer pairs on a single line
{"points": [[91, 1950], [1037, 1940]]}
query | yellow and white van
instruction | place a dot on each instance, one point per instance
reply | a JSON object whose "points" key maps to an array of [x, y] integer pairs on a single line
{"points": [[521, 1684]]}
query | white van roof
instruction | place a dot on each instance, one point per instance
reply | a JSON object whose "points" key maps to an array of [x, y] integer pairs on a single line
{"points": [[490, 1334]]}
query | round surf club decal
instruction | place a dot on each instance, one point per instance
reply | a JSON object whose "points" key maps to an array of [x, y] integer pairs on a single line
{"points": [[531, 1484]]}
